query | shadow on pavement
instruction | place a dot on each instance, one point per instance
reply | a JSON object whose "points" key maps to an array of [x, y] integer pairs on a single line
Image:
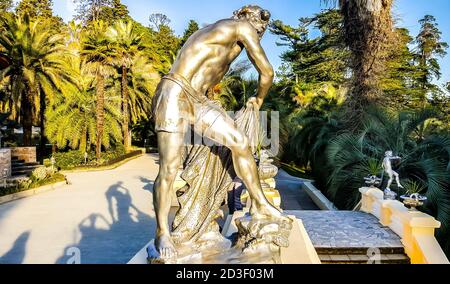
{"points": [[109, 243], [16, 254], [148, 184]]}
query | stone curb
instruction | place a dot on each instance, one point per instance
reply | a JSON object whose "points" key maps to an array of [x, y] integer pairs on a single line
{"points": [[317, 197], [307, 185], [30, 192], [105, 168]]}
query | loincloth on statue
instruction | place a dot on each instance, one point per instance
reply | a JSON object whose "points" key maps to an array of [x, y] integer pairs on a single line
{"points": [[176, 105]]}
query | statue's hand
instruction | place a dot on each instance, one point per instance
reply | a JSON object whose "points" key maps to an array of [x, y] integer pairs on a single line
{"points": [[255, 101]]}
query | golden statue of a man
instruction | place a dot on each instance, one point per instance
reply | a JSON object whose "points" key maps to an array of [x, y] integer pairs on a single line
{"points": [[180, 101]]}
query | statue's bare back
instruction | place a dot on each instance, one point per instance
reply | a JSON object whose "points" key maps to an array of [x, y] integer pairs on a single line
{"points": [[207, 55]]}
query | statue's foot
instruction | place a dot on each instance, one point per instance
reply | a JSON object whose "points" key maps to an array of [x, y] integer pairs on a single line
{"points": [[165, 246], [268, 211]]}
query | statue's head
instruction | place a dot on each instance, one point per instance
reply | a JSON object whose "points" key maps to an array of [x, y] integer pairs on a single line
{"points": [[256, 16], [388, 153]]}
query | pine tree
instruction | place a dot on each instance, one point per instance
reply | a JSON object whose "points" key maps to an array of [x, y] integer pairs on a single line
{"points": [[313, 66], [192, 28], [108, 11], [165, 42], [119, 11], [42, 11], [401, 72], [35, 8], [429, 48]]}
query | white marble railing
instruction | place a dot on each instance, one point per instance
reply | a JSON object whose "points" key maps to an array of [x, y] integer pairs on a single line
{"points": [[415, 228]]}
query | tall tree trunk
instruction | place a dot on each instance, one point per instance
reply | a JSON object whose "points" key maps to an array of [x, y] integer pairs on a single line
{"points": [[83, 140], [125, 112], [100, 93], [27, 118], [368, 34], [43, 138]]}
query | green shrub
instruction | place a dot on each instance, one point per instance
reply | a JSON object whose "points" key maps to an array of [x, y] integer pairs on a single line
{"points": [[54, 178], [29, 183], [68, 160], [74, 158], [39, 173]]}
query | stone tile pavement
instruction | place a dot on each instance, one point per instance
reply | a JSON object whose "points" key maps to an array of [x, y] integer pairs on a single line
{"points": [[346, 229]]}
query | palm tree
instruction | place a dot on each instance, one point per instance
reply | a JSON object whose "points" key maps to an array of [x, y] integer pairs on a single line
{"points": [[142, 81], [38, 70], [72, 119], [96, 51], [127, 48]]}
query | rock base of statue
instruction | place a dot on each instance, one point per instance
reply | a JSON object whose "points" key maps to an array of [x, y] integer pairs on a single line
{"points": [[208, 247], [258, 240]]}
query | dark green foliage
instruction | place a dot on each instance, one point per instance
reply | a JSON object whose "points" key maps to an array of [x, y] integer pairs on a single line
{"points": [[398, 83], [108, 11], [54, 178], [192, 28], [164, 41], [40, 10], [340, 159], [74, 158], [429, 48], [313, 62], [7, 127], [118, 11], [35, 8]]}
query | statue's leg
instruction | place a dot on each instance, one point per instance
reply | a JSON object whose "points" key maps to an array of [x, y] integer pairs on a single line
{"points": [[219, 127], [170, 147], [397, 180], [389, 181]]}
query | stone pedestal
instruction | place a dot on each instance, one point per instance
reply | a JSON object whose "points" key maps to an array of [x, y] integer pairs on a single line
{"points": [[270, 243]]}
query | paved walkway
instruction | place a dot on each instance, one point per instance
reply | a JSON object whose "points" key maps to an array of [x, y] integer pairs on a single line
{"points": [[102, 217], [293, 197]]}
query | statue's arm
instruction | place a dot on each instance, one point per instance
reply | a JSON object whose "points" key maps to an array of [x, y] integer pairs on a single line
{"points": [[251, 42]]}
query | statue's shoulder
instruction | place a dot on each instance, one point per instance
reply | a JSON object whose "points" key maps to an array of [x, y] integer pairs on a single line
{"points": [[226, 23], [233, 23]]}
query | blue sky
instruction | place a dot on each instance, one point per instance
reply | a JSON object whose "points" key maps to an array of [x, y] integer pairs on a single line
{"points": [[289, 11]]}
